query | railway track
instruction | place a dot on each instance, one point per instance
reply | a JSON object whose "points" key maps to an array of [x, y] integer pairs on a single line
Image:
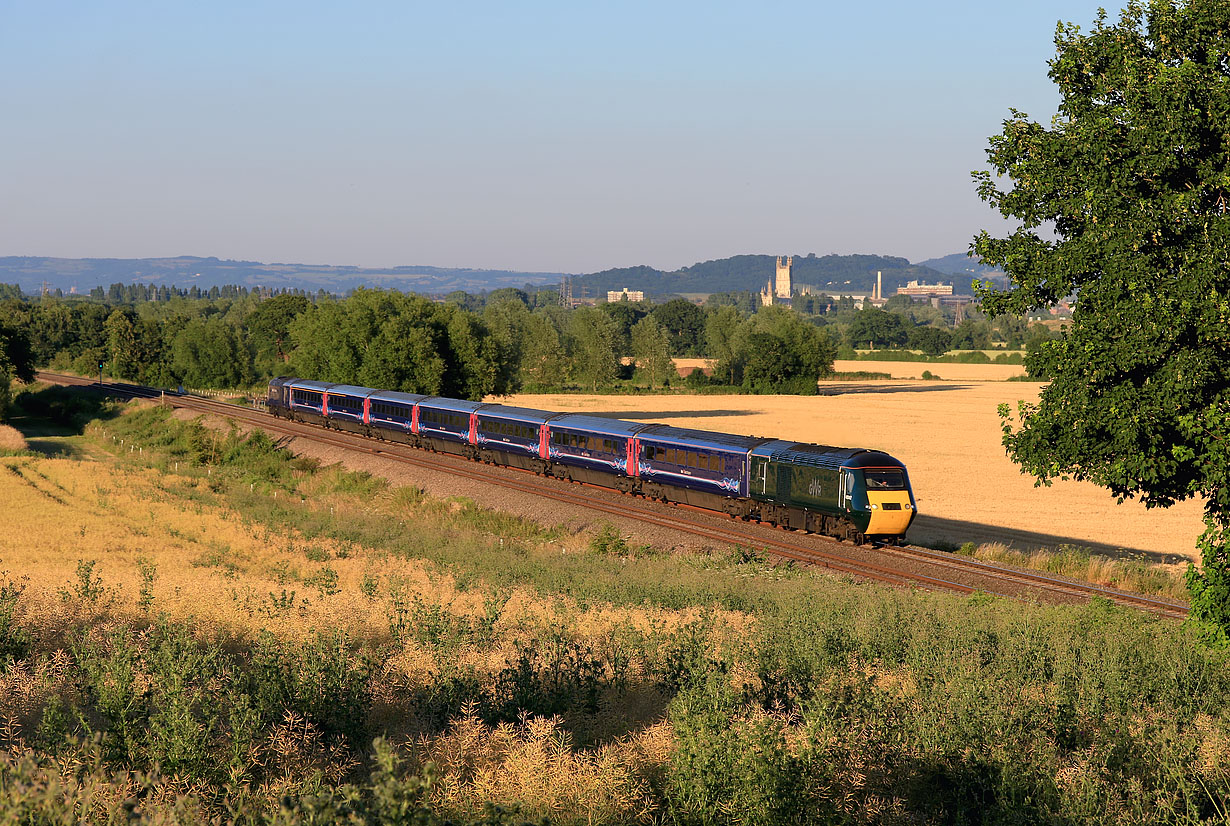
{"points": [[908, 566]]}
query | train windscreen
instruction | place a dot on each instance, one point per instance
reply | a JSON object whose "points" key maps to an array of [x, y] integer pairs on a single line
{"points": [[884, 479]]}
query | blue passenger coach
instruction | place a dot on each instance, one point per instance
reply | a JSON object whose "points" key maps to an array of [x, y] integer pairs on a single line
{"points": [[511, 435], [710, 467], [306, 399], [347, 407], [447, 425], [390, 414], [593, 449]]}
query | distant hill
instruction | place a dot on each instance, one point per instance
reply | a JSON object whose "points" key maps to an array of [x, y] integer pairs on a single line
{"points": [[836, 274], [186, 271]]}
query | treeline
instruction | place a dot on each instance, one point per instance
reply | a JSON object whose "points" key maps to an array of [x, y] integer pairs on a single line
{"points": [[467, 346]]}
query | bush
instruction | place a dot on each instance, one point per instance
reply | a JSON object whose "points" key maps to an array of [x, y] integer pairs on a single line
{"points": [[732, 767]]}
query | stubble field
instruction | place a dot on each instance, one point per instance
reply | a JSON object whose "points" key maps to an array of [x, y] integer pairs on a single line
{"points": [[948, 435]]}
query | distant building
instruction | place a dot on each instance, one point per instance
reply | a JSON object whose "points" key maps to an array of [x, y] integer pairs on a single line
{"points": [[780, 289], [927, 290], [624, 295]]}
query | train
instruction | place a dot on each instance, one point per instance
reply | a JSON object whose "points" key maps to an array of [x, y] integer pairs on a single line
{"points": [[853, 494]]}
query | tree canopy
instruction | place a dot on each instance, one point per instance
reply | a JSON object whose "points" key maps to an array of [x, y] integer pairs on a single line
{"points": [[1122, 202]]}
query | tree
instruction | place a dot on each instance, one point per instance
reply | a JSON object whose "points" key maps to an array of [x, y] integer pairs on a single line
{"points": [[16, 362], [684, 323], [209, 353], [625, 314], [651, 349], [269, 325], [873, 326], [1123, 203], [721, 329], [543, 363], [931, 340], [971, 334], [122, 347], [594, 361], [508, 321], [769, 363], [775, 351]]}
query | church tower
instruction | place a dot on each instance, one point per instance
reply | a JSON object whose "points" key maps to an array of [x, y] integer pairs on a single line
{"points": [[783, 288]]}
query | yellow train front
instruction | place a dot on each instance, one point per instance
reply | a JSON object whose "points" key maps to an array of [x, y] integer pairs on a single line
{"points": [[851, 493]]}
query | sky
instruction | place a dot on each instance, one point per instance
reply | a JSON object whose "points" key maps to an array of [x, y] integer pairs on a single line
{"points": [[536, 136]]}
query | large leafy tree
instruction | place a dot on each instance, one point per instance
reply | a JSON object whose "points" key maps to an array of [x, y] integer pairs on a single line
{"points": [[651, 349], [1122, 202], [877, 328], [684, 323], [594, 362], [209, 353], [16, 362], [269, 326]]}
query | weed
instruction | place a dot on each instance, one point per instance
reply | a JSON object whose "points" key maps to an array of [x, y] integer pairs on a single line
{"points": [[14, 640], [149, 572], [88, 588], [280, 604], [316, 553], [325, 581]]}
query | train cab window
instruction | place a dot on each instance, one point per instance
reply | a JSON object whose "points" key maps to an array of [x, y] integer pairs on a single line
{"points": [[884, 479]]}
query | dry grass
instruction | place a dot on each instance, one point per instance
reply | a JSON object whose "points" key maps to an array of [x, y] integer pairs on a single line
{"points": [[11, 440], [948, 435], [1125, 574], [230, 576], [533, 763]]}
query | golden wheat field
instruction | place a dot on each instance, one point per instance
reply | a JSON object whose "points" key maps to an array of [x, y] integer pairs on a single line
{"points": [[948, 435], [948, 371], [898, 369]]}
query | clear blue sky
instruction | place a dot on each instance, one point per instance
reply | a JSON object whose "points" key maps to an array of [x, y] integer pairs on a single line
{"points": [[569, 136]]}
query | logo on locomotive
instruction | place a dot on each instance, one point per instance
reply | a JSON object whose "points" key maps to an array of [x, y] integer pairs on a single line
{"points": [[814, 488]]}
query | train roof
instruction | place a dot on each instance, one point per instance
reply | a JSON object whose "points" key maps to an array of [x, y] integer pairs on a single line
{"points": [[698, 438], [456, 405], [825, 456], [350, 390], [519, 414], [398, 396], [598, 424], [309, 384]]}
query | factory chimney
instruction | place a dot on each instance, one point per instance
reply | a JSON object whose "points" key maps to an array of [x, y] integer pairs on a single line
{"points": [[879, 285]]}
